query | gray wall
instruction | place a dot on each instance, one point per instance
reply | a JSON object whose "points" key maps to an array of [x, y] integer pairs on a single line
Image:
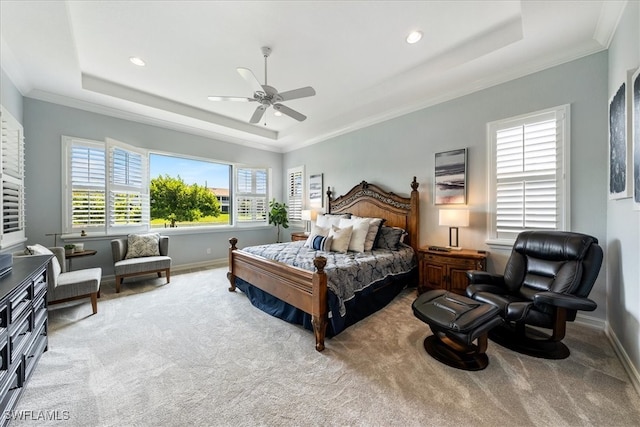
{"points": [[44, 125], [623, 223], [392, 152], [10, 97]]}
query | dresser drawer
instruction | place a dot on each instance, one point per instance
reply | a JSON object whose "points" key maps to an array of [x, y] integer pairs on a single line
{"points": [[20, 302], [37, 348], [20, 337]]}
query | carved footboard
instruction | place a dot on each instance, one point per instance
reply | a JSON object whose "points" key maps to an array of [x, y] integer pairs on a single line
{"points": [[303, 289]]}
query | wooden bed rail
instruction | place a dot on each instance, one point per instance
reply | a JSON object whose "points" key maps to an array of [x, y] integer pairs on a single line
{"points": [[303, 289]]}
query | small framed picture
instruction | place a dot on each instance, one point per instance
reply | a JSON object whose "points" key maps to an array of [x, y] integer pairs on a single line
{"points": [[315, 191], [451, 177]]}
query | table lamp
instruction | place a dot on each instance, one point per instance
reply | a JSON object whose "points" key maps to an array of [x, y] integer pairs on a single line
{"points": [[308, 215], [454, 218]]}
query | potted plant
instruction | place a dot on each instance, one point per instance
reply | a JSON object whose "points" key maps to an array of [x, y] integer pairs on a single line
{"points": [[278, 215], [68, 249]]}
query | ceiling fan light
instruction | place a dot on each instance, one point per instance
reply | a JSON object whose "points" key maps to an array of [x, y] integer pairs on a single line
{"points": [[137, 61], [414, 37], [277, 113]]}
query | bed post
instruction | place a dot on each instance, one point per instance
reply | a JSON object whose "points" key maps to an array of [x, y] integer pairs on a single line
{"points": [[414, 217], [319, 310], [230, 276], [328, 205]]}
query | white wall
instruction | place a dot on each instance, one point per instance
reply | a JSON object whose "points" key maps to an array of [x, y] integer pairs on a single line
{"points": [[623, 223], [44, 125], [391, 153]]}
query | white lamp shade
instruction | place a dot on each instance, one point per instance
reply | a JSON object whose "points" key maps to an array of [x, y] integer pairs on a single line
{"points": [[454, 217], [308, 215]]}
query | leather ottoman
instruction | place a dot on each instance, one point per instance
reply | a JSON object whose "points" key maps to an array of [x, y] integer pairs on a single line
{"points": [[456, 322]]}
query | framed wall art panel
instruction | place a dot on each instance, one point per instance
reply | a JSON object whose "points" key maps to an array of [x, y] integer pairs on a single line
{"points": [[619, 187], [451, 177], [635, 135]]}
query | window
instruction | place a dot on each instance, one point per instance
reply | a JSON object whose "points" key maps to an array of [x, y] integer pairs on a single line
{"points": [[12, 177], [188, 192], [252, 190], [114, 188], [529, 174], [107, 187], [295, 193]]}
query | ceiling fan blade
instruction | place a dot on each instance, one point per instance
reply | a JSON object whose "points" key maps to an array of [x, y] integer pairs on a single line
{"points": [[303, 92], [248, 75], [289, 112], [257, 115], [230, 98]]}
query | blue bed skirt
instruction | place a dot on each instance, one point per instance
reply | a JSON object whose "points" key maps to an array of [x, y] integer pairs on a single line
{"points": [[366, 302]]}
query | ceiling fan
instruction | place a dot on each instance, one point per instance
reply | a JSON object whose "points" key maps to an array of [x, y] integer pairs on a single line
{"points": [[267, 95]]}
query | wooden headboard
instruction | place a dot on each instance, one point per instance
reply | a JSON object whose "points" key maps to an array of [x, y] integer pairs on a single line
{"points": [[369, 200]]}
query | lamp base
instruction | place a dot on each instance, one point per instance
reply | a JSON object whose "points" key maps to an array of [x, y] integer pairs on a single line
{"points": [[454, 248]]}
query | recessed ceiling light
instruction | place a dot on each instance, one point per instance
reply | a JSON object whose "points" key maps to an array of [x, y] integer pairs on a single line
{"points": [[414, 37], [137, 61]]}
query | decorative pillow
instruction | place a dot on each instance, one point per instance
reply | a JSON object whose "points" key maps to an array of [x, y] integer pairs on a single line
{"points": [[316, 231], [341, 238], [359, 233], [322, 243], [389, 238], [327, 220], [38, 249], [374, 228], [143, 245]]}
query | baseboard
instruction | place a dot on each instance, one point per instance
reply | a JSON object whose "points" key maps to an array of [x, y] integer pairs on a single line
{"points": [[631, 370], [591, 321]]}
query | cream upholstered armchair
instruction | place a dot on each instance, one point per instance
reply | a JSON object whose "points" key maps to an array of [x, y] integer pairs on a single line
{"points": [[139, 254], [63, 285]]}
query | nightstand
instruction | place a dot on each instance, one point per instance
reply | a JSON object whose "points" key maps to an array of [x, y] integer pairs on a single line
{"points": [[298, 236], [447, 270]]}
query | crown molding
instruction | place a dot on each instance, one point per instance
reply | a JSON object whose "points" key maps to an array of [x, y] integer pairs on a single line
{"points": [[144, 119]]}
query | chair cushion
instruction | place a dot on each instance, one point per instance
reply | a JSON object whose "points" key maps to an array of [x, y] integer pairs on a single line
{"points": [[75, 283], [143, 245], [141, 265]]}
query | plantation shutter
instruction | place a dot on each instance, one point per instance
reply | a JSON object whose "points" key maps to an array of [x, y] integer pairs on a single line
{"points": [[128, 187], [12, 178], [529, 174], [87, 179], [295, 180], [251, 194]]}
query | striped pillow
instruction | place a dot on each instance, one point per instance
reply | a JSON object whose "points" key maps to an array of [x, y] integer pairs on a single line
{"points": [[321, 243]]}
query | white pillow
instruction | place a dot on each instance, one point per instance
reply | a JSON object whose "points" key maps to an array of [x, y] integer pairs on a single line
{"points": [[374, 228], [340, 238], [359, 234], [38, 249], [327, 220], [316, 231], [143, 245]]}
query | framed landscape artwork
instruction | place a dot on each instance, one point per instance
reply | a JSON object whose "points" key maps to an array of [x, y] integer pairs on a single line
{"points": [[635, 134], [619, 187], [451, 177], [315, 191]]}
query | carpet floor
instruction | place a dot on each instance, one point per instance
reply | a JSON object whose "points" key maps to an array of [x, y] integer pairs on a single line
{"points": [[192, 353]]}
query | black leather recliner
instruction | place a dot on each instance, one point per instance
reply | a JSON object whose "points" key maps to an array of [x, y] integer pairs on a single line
{"points": [[546, 280]]}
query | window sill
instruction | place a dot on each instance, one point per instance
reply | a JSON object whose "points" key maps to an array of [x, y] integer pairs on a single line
{"points": [[500, 244]]}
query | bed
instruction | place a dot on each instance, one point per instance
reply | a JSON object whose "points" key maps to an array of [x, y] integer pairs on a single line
{"points": [[305, 294]]}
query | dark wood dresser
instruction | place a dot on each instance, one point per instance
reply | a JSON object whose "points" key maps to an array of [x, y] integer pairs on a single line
{"points": [[23, 327]]}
